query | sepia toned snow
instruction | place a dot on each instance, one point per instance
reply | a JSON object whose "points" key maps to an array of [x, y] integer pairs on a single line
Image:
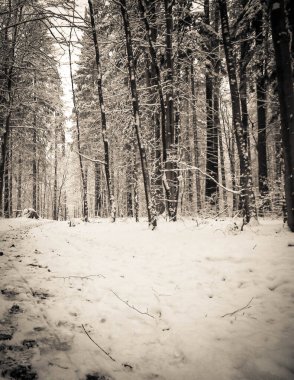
{"points": [[194, 300]]}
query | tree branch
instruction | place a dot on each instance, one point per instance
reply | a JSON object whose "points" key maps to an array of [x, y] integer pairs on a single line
{"points": [[105, 352], [236, 311]]}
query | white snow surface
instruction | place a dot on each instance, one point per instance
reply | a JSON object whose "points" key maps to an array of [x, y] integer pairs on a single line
{"points": [[192, 300]]}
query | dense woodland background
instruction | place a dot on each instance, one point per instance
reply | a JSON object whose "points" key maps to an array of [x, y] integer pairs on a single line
{"points": [[178, 107]]}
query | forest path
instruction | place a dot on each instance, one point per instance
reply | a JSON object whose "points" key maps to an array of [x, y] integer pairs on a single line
{"points": [[186, 301]]}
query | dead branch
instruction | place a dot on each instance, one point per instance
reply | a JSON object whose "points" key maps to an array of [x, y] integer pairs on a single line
{"points": [[105, 352], [81, 277], [132, 307], [236, 311]]}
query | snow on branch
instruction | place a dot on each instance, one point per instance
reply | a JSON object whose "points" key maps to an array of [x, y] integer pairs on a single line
{"points": [[90, 159], [189, 167]]}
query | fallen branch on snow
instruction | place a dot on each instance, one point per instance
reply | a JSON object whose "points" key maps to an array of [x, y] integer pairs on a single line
{"points": [[133, 307], [81, 277], [105, 352], [236, 311]]}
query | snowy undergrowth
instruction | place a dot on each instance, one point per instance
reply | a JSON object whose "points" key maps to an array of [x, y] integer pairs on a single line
{"points": [[190, 300]]}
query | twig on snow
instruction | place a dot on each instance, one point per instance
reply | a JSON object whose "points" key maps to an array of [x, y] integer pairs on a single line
{"points": [[81, 277], [105, 352], [133, 307], [236, 311]]}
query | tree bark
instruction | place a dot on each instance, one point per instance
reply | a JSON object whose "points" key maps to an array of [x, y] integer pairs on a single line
{"points": [[247, 196], [281, 41], [102, 113], [195, 138], [151, 211], [171, 178], [261, 106], [76, 113]]}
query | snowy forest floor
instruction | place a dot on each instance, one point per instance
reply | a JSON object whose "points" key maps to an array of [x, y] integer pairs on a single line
{"points": [[192, 300]]}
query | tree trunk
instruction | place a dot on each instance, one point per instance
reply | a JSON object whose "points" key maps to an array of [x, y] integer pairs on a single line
{"points": [[247, 195], [97, 206], [211, 135], [55, 213], [171, 178], [103, 114], [151, 211], [281, 40], [34, 166], [261, 107], [19, 183], [195, 138], [76, 113]]}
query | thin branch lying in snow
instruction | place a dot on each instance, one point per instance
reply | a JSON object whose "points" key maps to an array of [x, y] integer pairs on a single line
{"points": [[90, 159], [105, 352], [81, 277], [236, 311], [133, 307]]}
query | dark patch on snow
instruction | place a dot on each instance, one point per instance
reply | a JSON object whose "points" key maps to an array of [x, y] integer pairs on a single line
{"points": [[1, 253], [97, 376], [39, 328], [40, 294], [9, 293], [20, 372], [29, 343], [15, 309], [6, 335]]}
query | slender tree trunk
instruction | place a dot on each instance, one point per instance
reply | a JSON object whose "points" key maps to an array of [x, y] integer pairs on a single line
{"points": [[103, 114], [247, 195], [55, 212], [171, 181], [19, 183], [6, 180], [211, 136], [34, 166], [261, 107], [97, 207], [195, 137], [151, 211], [76, 112], [281, 40], [10, 173]]}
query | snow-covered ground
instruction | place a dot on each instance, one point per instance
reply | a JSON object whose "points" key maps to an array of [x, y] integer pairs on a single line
{"points": [[193, 300]]}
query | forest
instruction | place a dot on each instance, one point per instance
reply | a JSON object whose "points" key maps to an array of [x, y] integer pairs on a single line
{"points": [[115, 108], [146, 189]]}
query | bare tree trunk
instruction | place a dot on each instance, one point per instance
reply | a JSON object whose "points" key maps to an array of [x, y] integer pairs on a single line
{"points": [[211, 136], [19, 183], [195, 137], [97, 207], [281, 40], [76, 112], [34, 166], [247, 195], [151, 211], [261, 106], [171, 182], [103, 114], [55, 213]]}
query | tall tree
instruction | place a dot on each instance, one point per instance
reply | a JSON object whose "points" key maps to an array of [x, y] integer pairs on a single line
{"points": [[247, 195], [281, 40]]}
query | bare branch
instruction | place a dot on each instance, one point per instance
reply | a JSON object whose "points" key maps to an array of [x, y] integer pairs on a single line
{"points": [[133, 307], [236, 311], [105, 352]]}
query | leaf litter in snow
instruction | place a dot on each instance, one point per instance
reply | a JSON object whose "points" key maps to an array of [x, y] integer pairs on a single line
{"points": [[191, 300]]}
